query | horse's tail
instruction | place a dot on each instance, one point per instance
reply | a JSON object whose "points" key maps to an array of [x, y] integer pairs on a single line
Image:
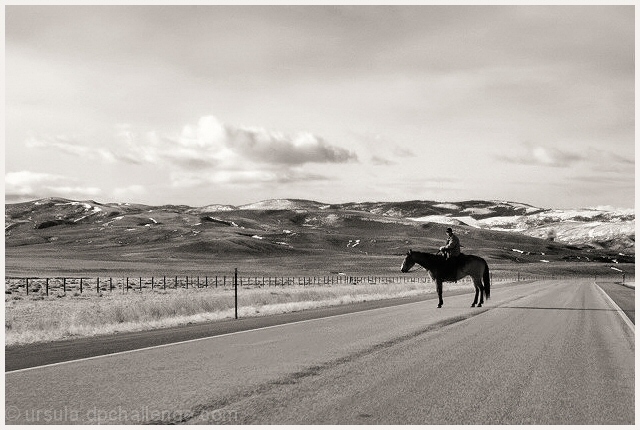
{"points": [[486, 278]]}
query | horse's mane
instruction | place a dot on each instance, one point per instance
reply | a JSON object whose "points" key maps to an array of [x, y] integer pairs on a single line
{"points": [[427, 255]]}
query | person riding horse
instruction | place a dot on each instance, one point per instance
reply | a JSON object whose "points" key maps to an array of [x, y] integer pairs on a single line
{"points": [[452, 248]]}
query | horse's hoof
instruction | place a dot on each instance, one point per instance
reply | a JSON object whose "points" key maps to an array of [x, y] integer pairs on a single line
{"points": [[473, 305], [439, 306], [480, 305]]}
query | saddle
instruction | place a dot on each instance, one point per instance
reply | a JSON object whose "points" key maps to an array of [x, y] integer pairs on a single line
{"points": [[450, 265]]}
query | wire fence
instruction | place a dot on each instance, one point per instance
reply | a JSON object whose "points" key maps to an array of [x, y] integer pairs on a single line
{"points": [[101, 285]]}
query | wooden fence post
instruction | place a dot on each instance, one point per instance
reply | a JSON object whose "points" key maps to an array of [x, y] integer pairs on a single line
{"points": [[235, 283]]}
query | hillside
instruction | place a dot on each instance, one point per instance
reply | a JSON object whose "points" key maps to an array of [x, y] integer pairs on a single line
{"points": [[53, 233]]}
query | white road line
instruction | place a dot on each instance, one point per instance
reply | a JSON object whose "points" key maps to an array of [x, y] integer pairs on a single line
{"points": [[205, 338], [615, 306]]}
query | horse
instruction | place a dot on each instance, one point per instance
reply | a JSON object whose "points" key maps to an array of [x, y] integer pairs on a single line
{"points": [[443, 270]]}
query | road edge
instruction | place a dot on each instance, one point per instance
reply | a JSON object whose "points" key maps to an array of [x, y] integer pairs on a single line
{"points": [[615, 306]]}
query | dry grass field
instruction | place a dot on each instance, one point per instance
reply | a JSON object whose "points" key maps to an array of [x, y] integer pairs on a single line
{"points": [[37, 318]]}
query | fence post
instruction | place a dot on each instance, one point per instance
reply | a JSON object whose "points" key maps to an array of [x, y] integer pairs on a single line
{"points": [[64, 285], [47, 285], [27, 285], [80, 285], [98, 286], [140, 284], [164, 282], [235, 283]]}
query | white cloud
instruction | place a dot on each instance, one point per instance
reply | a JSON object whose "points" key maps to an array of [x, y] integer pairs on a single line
{"points": [[82, 192], [70, 145], [127, 192], [212, 139], [27, 184], [189, 179], [214, 152], [539, 155]]}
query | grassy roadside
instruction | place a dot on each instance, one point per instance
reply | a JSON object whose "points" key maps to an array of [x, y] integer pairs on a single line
{"points": [[43, 319]]}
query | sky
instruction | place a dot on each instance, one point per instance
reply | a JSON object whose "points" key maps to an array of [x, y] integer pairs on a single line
{"points": [[200, 105]]}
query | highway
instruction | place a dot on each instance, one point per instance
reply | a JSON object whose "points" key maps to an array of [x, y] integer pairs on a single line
{"points": [[546, 352]]}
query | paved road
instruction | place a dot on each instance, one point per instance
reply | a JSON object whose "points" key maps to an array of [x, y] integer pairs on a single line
{"points": [[547, 352]]}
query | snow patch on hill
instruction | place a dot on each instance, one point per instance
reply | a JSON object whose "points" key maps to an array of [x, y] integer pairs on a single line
{"points": [[284, 204], [451, 206]]}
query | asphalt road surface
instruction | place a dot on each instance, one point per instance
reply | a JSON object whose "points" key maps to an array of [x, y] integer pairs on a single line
{"points": [[547, 352]]}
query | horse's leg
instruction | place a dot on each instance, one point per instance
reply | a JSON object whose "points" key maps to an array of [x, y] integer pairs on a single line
{"points": [[439, 290], [475, 300], [479, 288]]}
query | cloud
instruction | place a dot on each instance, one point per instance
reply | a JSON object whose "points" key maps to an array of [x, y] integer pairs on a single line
{"points": [[611, 162], [379, 161], [383, 147], [184, 179], [77, 191], [619, 181], [33, 185], [216, 140], [539, 155], [403, 152], [262, 146], [28, 183], [213, 152], [126, 192], [223, 153], [70, 145]]}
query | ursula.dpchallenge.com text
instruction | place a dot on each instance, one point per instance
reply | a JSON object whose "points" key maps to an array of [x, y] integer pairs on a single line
{"points": [[119, 415]]}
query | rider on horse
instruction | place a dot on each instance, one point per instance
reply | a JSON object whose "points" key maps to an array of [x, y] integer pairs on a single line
{"points": [[452, 247]]}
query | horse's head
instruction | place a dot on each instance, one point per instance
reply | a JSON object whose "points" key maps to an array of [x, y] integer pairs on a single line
{"points": [[408, 262]]}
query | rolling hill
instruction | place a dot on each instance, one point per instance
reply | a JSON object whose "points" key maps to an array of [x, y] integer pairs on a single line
{"points": [[53, 233]]}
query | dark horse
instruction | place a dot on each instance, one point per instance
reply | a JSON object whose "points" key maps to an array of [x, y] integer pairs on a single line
{"points": [[443, 270]]}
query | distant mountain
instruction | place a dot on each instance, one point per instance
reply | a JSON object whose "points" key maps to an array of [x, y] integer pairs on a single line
{"points": [[501, 230], [607, 228]]}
